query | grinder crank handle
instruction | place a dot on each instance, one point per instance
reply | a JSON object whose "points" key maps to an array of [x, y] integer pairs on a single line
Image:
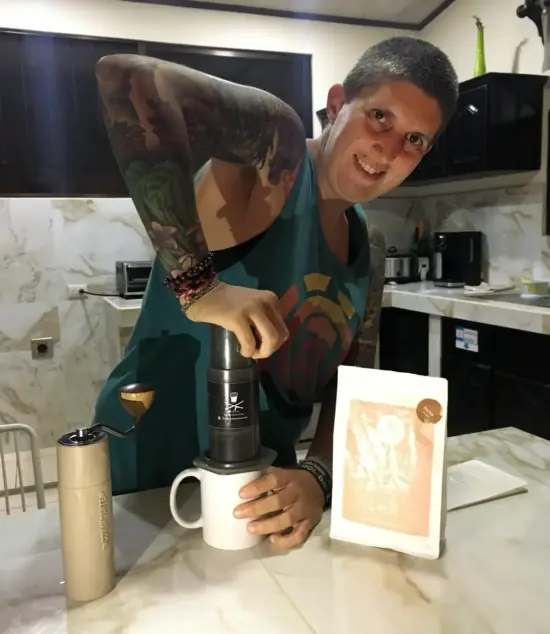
{"points": [[136, 399]]}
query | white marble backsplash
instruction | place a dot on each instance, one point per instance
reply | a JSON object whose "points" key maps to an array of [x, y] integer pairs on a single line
{"points": [[45, 245], [397, 219], [511, 220]]}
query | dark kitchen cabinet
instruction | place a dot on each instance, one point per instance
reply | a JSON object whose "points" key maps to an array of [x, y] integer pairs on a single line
{"points": [[521, 381], [497, 377], [404, 341], [521, 402], [469, 374], [503, 381], [469, 404], [467, 135], [496, 129], [52, 137], [433, 165]]}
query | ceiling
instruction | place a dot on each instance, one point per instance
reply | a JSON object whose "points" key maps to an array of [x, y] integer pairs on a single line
{"points": [[406, 14]]}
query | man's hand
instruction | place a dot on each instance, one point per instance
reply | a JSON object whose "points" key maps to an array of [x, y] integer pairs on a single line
{"points": [[243, 310], [293, 501]]}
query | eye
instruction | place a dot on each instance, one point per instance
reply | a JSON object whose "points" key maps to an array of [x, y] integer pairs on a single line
{"points": [[416, 140], [379, 115]]}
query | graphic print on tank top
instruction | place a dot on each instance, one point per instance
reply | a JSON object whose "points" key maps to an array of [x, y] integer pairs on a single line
{"points": [[322, 300], [321, 321]]}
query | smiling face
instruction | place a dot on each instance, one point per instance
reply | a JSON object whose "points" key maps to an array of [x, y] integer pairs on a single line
{"points": [[377, 139]]}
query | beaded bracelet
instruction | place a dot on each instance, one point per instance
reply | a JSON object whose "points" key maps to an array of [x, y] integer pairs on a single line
{"points": [[189, 286], [321, 470]]}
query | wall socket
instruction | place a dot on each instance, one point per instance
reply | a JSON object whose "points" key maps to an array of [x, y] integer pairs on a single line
{"points": [[42, 348], [73, 291]]}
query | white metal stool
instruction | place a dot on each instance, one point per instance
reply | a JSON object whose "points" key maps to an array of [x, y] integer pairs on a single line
{"points": [[18, 483]]}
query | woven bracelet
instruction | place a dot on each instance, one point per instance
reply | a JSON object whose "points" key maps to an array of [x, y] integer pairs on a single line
{"points": [[189, 286], [320, 469]]}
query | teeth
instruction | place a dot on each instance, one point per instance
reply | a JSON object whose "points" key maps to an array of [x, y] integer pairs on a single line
{"points": [[366, 166]]}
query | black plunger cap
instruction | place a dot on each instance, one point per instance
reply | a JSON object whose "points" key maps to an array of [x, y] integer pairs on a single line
{"points": [[225, 351]]}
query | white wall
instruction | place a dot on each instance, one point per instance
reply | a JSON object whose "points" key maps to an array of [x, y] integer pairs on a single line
{"points": [[334, 47], [506, 37]]}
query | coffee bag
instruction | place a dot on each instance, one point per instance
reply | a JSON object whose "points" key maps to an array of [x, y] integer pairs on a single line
{"points": [[389, 474]]}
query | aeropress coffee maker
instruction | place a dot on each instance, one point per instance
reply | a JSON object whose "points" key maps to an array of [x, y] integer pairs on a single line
{"points": [[235, 455]]}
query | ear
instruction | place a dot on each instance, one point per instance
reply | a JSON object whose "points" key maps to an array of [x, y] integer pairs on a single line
{"points": [[335, 101]]}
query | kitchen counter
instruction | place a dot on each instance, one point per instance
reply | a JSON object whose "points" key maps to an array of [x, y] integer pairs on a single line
{"points": [[424, 297], [122, 312], [421, 297], [493, 579]]}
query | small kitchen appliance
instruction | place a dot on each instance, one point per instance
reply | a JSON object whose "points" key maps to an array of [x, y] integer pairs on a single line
{"points": [[457, 259], [401, 267], [132, 277]]}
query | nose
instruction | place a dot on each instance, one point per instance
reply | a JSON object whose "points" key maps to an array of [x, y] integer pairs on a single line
{"points": [[387, 146]]}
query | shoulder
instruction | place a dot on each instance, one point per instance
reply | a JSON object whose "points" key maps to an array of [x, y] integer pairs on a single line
{"points": [[377, 240]]}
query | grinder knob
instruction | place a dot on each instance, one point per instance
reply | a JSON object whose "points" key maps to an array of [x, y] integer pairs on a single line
{"points": [[136, 399]]}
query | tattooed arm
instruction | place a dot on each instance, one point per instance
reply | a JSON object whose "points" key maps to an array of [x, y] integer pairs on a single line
{"points": [[363, 348], [164, 121]]}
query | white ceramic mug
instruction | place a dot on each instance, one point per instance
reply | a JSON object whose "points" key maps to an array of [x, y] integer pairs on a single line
{"points": [[219, 497]]}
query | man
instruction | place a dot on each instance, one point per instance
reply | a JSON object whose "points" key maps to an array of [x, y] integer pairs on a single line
{"points": [[257, 229]]}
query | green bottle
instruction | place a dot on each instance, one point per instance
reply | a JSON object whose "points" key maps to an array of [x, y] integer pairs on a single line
{"points": [[480, 67]]}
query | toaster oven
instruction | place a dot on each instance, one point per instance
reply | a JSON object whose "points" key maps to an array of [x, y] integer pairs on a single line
{"points": [[132, 278]]}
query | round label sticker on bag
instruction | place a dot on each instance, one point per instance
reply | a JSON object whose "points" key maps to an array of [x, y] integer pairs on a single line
{"points": [[429, 411]]}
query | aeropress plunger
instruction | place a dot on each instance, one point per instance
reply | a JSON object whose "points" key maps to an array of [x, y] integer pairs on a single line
{"points": [[233, 410]]}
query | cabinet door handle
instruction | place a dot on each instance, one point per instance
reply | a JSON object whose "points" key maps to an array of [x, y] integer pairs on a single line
{"points": [[482, 366]]}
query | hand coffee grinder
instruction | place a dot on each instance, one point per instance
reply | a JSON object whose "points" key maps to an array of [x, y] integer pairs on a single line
{"points": [[233, 410], [85, 501]]}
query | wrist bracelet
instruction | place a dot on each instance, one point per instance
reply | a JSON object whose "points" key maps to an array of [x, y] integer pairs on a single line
{"points": [[188, 297], [321, 470], [205, 266], [189, 286]]}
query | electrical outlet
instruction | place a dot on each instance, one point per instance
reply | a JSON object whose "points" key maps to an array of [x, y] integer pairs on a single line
{"points": [[42, 348], [73, 291]]}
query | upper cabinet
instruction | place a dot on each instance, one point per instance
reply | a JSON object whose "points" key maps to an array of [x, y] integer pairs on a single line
{"points": [[496, 129]]}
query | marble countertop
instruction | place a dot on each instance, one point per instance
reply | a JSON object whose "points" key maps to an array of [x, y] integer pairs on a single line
{"points": [[493, 578], [126, 305], [420, 297], [424, 297]]}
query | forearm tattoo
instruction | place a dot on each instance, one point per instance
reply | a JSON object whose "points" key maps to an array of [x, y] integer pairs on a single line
{"points": [[363, 352], [165, 121]]}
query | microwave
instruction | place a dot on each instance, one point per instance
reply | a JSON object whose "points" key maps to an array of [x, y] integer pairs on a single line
{"points": [[132, 278]]}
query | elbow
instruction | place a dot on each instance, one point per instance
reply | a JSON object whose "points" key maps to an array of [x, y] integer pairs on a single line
{"points": [[108, 71], [109, 64], [111, 69]]}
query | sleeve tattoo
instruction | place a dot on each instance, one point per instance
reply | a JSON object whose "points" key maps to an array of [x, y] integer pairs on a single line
{"points": [[165, 121]]}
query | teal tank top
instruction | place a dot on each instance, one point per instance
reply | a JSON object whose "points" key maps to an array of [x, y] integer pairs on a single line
{"points": [[322, 300]]}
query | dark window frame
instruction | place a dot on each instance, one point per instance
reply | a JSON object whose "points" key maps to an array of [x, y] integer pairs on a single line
{"points": [[304, 59]]}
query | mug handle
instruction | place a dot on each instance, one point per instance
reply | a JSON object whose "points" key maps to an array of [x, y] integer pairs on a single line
{"points": [[188, 473]]}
